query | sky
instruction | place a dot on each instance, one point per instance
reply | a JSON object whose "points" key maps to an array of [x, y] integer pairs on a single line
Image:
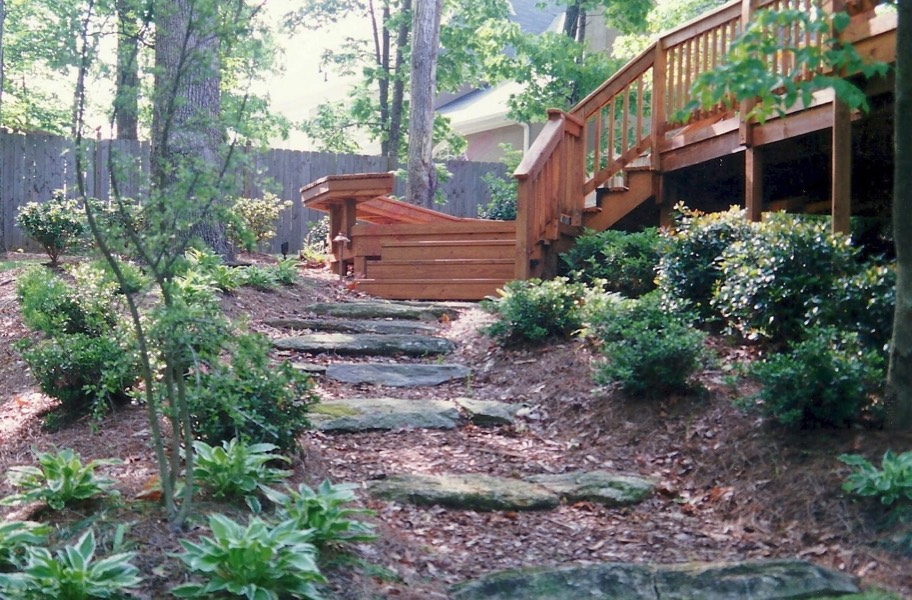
{"points": [[302, 87]]}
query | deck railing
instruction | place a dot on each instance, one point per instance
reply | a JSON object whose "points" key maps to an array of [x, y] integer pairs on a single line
{"points": [[625, 117]]}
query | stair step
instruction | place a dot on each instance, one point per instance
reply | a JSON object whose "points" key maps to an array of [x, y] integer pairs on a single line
{"points": [[422, 289], [448, 249], [463, 268]]}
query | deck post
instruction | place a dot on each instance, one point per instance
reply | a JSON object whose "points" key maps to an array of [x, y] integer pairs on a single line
{"points": [[659, 99], [753, 182], [841, 172]]}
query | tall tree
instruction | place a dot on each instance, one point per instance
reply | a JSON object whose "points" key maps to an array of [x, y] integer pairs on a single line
{"points": [[899, 377], [422, 179], [473, 37], [126, 95], [559, 69], [187, 132]]}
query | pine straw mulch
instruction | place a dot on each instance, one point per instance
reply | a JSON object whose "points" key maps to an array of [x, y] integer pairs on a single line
{"points": [[732, 485]]}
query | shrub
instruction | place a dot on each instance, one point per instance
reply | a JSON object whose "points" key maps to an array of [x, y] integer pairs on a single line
{"points": [[72, 573], [259, 561], [250, 398], [16, 536], [236, 469], [54, 224], [625, 262], [323, 513], [768, 277], [502, 206], [825, 379], [649, 349], [59, 480], [689, 267], [890, 483], [51, 305], [85, 373], [257, 219], [862, 302], [534, 310], [261, 278]]}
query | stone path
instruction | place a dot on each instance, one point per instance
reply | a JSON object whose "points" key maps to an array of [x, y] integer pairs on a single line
{"points": [[407, 330]]}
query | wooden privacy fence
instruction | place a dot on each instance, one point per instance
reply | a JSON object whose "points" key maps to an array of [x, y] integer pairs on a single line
{"points": [[33, 166]]}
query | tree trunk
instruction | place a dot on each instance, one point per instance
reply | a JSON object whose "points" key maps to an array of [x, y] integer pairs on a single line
{"points": [[398, 103], [422, 181], [899, 377], [126, 96], [187, 136]]}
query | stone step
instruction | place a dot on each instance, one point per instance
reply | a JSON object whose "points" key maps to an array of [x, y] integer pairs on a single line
{"points": [[372, 414], [749, 580], [384, 310], [396, 375], [393, 326], [474, 491], [366, 344]]}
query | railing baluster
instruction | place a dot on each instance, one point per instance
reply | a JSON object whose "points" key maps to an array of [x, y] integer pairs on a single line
{"points": [[624, 139], [611, 106], [639, 109], [597, 156]]}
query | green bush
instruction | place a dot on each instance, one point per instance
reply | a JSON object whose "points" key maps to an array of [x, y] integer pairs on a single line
{"points": [[250, 398], [503, 190], [254, 220], [52, 306], [535, 310], [85, 373], [825, 379], [768, 277], [60, 480], [323, 512], [624, 262], [316, 245], [236, 469], [648, 348], [72, 573], [862, 302], [259, 561], [890, 483], [689, 267], [54, 224]]}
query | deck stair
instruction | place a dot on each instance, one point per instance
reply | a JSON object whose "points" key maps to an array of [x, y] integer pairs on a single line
{"points": [[400, 251]]}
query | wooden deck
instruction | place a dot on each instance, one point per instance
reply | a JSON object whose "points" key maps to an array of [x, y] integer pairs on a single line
{"points": [[615, 155]]}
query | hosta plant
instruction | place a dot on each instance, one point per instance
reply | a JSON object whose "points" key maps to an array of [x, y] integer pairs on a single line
{"points": [[15, 536], [257, 561], [236, 469], [892, 482], [60, 480], [324, 512], [71, 573]]}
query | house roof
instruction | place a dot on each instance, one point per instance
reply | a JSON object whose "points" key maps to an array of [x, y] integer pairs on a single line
{"points": [[531, 17]]}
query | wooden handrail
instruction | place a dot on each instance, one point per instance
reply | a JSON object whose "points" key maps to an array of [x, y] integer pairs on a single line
{"points": [[579, 151]]}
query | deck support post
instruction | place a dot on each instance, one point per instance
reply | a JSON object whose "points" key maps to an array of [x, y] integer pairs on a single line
{"points": [[841, 171], [666, 197], [753, 182], [341, 220]]}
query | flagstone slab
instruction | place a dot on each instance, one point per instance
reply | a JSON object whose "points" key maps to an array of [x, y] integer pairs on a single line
{"points": [[383, 310], [751, 580], [366, 344], [370, 414], [393, 326], [465, 492], [396, 375], [603, 487], [310, 368], [489, 413]]}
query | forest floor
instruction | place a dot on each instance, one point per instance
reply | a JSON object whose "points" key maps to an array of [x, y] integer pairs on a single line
{"points": [[733, 486]]}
